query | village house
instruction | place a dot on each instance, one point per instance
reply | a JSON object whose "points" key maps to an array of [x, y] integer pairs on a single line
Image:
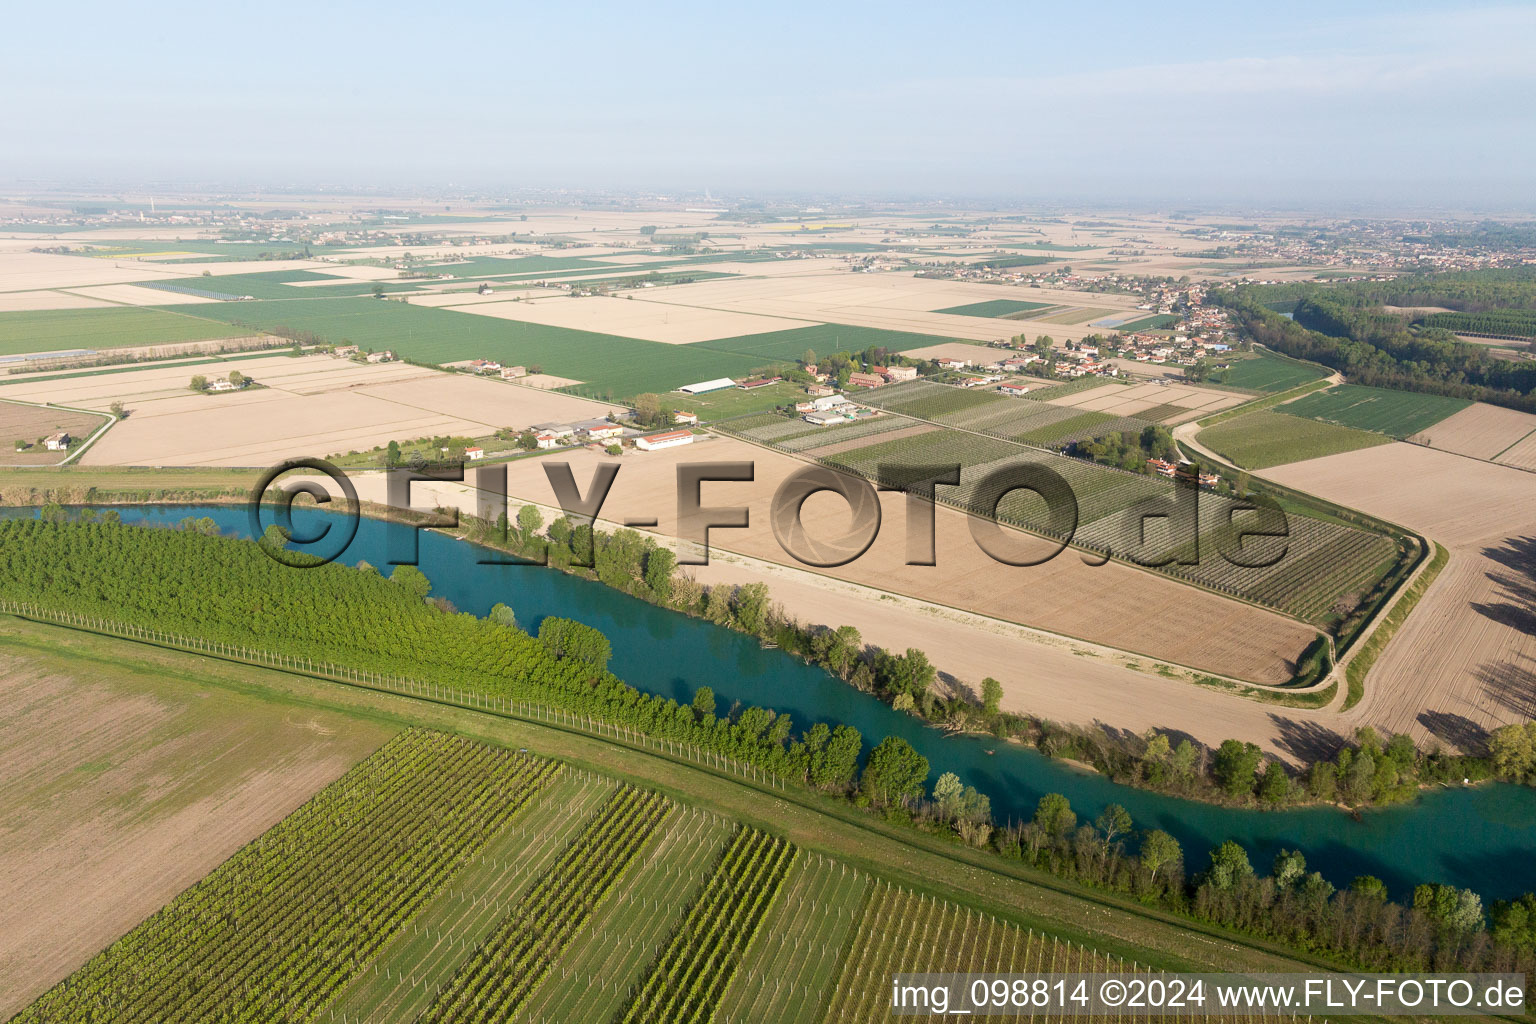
{"points": [[381, 357], [898, 373], [819, 390], [865, 380], [547, 440], [57, 442], [485, 366], [687, 418], [474, 453], [346, 350], [1012, 388]]}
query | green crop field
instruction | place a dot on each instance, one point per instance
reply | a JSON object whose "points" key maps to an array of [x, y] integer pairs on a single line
{"points": [[822, 339], [1394, 413], [1258, 440], [56, 330], [606, 364], [1266, 372], [993, 308], [274, 284]]}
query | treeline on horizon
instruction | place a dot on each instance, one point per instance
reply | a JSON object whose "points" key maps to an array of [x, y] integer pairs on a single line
{"points": [[195, 582], [1343, 326]]}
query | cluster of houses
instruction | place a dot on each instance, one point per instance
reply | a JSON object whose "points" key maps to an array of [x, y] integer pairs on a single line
{"points": [[486, 367], [604, 431], [1183, 470], [1081, 361], [560, 435], [1180, 350], [352, 352], [825, 410]]}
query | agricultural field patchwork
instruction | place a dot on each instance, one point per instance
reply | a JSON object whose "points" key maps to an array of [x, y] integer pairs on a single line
{"points": [[1325, 570], [607, 365], [1397, 414], [1258, 440], [443, 879]]}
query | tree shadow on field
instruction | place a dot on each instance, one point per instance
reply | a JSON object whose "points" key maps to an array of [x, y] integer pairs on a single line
{"points": [[1456, 731], [1511, 685], [1306, 741], [1516, 580]]}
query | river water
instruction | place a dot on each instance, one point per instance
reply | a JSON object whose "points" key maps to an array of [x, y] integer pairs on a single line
{"points": [[1480, 837]]}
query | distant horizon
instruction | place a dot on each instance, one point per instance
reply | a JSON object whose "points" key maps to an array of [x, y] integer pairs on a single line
{"points": [[1420, 104]]}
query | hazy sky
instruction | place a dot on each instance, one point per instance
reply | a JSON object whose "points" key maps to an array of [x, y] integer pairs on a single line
{"points": [[1430, 102]]}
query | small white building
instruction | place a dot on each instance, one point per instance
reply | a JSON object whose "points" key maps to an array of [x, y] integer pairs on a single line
{"points": [[474, 453], [688, 418], [547, 440], [1012, 388], [824, 419], [668, 439]]}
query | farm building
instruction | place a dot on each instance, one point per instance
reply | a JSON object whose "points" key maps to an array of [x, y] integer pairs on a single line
{"points": [[865, 380], [758, 382], [668, 439], [820, 390], [679, 416], [547, 440], [57, 442], [1013, 388], [474, 453], [513, 372], [705, 387], [824, 418], [485, 366], [600, 429], [897, 373], [554, 429]]}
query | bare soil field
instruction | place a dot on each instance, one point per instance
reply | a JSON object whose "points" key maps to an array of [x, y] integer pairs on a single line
{"points": [[26, 302], [123, 787], [1467, 653], [138, 295], [1114, 604], [310, 406], [31, 422], [651, 321], [1521, 454], [33, 271], [979, 354], [546, 381], [1480, 430]]}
